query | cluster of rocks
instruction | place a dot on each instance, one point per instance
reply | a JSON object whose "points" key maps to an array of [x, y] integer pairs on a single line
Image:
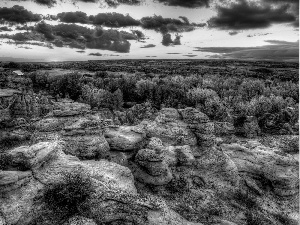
{"points": [[115, 198], [178, 148]]}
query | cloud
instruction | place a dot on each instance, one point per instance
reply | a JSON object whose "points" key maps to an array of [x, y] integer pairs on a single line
{"points": [[114, 20], [18, 14], [187, 3], [148, 46], [244, 15], [166, 25], [280, 51], [107, 19], [46, 2], [233, 33], [96, 54]]}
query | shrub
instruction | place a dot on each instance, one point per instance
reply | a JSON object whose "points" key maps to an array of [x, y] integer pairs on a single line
{"points": [[251, 88], [5, 161], [201, 95], [177, 184], [290, 144], [66, 195]]}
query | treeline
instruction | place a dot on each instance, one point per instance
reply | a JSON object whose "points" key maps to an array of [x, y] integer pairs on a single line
{"points": [[219, 97]]}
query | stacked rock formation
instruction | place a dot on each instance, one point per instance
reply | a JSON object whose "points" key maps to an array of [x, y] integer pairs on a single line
{"points": [[84, 138], [83, 134], [200, 125], [152, 167]]}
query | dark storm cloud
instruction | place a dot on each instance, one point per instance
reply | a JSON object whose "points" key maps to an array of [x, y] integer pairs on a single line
{"points": [[244, 15], [46, 2], [187, 3], [107, 19], [18, 14], [165, 25]]}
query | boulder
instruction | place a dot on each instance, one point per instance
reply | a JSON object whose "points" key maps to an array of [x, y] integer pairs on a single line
{"points": [[151, 167], [124, 138], [266, 167]]}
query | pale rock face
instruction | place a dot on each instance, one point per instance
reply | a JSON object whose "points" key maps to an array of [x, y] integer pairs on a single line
{"points": [[124, 138], [281, 171], [79, 220], [168, 217], [17, 205]]}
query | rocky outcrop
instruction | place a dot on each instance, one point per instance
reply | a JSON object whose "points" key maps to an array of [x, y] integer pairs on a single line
{"points": [[151, 165], [124, 138], [115, 198], [84, 138], [266, 168], [200, 125], [169, 127], [83, 135]]}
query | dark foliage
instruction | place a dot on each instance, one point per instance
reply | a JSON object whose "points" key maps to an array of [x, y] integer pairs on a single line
{"points": [[67, 195], [18, 14], [73, 17]]}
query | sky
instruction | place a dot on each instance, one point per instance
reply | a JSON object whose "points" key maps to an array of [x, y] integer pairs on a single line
{"points": [[240, 29]]}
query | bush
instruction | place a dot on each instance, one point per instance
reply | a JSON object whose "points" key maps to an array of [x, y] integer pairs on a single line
{"points": [[290, 144], [5, 161], [251, 88], [201, 95], [69, 193]]}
